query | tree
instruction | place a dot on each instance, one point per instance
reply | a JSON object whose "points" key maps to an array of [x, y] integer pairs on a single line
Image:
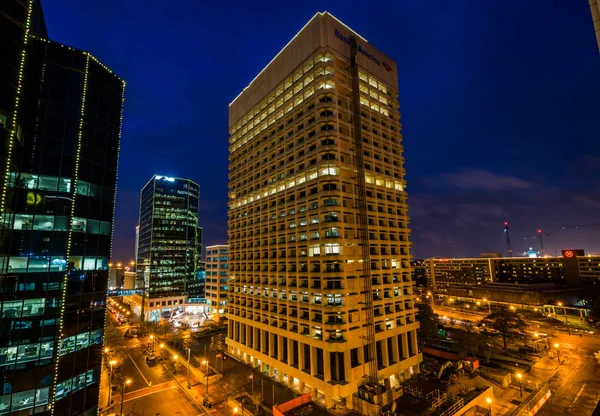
{"points": [[468, 342], [429, 323], [165, 325], [508, 324], [457, 385]]}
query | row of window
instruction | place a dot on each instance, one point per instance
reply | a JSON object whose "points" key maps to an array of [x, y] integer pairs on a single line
{"points": [[53, 183], [36, 264], [55, 223]]}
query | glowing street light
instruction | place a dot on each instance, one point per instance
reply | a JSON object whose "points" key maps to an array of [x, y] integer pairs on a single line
{"points": [[489, 307], [126, 383], [520, 376], [111, 362], [566, 319], [489, 402], [557, 352]]}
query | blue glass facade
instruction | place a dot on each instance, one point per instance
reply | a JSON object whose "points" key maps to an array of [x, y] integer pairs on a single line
{"points": [[60, 121]]}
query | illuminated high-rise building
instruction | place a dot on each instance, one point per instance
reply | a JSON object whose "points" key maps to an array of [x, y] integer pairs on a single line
{"points": [[60, 128], [170, 245], [321, 291], [217, 281]]}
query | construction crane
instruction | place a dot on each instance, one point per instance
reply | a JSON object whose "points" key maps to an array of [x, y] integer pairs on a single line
{"points": [[508, 245], [577, 227], [539, 236]]}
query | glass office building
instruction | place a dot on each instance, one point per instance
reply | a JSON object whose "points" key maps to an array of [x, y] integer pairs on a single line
{"points": [[60, 127], [170, 241]]}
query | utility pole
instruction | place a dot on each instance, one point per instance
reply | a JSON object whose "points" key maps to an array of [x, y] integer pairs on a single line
{"points": [[508, 245]]}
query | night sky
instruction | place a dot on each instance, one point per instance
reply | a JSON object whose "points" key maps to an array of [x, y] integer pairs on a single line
{"points": [[500, 103]]}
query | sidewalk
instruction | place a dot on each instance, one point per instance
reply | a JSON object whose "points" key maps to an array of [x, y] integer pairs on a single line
{"points": [[507, 400]]}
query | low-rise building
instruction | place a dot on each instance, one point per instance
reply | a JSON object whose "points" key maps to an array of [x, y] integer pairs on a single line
{"points": [[217, 281], [573, 267]]}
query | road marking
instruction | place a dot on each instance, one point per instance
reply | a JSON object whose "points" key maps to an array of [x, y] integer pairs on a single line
{"points": [[149, 393], [578, 394], [136, 366]]}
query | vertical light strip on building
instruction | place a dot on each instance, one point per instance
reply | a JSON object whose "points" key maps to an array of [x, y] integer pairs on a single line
{"points": [[72, 214], [13, 130]]}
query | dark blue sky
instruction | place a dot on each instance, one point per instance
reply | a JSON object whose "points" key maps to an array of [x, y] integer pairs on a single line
{"points": [[500, 103]]}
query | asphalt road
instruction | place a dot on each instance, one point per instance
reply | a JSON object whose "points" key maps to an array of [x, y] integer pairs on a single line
{"points": [[164, 402], [576, 386]]}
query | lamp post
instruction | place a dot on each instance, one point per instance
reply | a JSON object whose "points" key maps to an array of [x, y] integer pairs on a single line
{"points": [[152, 338], [537, 342], [520, 377], [175, 357], [557, 352], [489, 402], [235, 410], [127, 382], [111, 362], [206, 398], [566, 319], [488, 304], [189, 353]]}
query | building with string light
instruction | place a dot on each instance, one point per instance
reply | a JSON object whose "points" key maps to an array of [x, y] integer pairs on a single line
{"points": [[306, 302], [60, 128]]}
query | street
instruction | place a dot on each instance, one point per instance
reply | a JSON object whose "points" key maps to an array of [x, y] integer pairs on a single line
{"points": [[155, 386], [575, 384]]}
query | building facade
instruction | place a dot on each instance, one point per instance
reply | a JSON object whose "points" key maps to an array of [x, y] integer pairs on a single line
{"points": [[306, 302], [573, 267], [60, 128], [217, 281], [169, 247]]}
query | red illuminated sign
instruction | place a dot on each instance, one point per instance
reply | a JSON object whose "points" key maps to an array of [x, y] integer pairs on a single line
{"points": [[569, 253]]}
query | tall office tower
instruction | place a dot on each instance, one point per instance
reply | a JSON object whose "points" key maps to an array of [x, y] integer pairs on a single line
{"points": [[60, 127], [217, 280], [170, 244], [322, 291]]}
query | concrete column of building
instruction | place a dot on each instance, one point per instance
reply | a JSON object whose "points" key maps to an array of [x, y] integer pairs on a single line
{"points": [[348, 402], [347, 367], [384, 353], [395, 353], [313, 360], [261, 367], [301, 386], [314, 394], [329, 401], [413, 341], [300, 356], [405, 350], [264, 342], [281, 340], [290, 381], [326, 366], [279, 375], [361, 354], [271, 371]]}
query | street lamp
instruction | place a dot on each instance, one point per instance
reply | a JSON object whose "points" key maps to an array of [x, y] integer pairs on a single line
{"points": [[489, 307], [537, 342], [189, 353], [127, 382], [489, 402], [557, 352], [520, 376], [566, 319], [206, 398], [111, 362], [152, 338]]}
